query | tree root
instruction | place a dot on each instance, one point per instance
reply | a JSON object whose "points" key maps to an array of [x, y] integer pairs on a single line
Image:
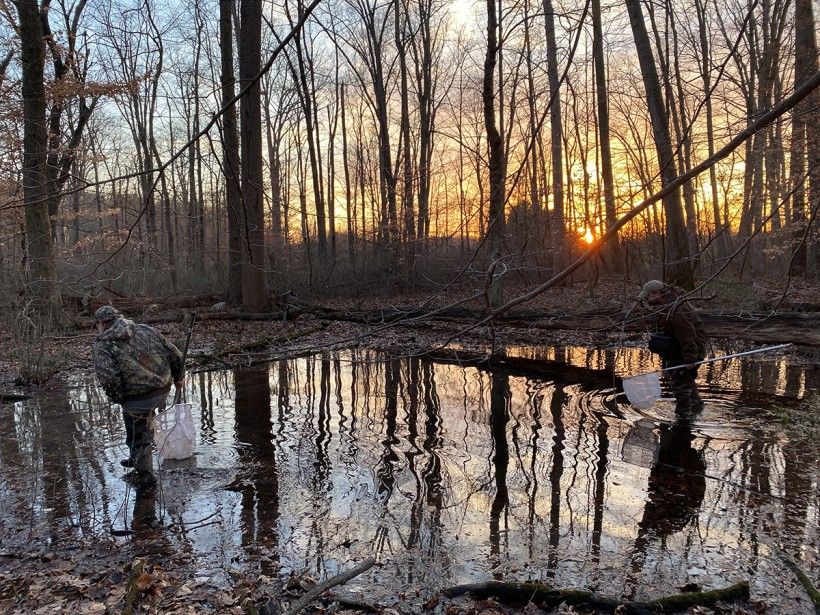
{"points": [[548, 597]]}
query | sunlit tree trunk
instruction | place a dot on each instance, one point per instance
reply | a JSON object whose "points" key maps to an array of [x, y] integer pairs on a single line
{"points": [[678, 259], [254, 297]]}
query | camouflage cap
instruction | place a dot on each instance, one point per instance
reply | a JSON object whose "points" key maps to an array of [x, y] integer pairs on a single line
{"points": [[106, 313], [652, 286]]}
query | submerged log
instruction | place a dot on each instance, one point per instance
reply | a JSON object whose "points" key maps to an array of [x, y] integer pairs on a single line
{"points": [[544, 595]]}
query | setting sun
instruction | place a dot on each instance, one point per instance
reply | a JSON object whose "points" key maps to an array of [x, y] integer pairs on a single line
{"points": [[586, 234]]}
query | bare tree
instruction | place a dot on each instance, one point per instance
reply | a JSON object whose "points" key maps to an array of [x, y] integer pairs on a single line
{"points": [[556, 135], [678, 261], [497, 163], [254, 295], [39, 243], [230, 156], [805, 140]]}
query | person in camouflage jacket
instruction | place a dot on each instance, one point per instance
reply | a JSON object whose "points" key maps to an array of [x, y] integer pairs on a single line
{"points": [[679, 338], [135, 365]]}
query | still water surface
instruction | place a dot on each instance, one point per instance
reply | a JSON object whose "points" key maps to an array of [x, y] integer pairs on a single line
{"points": [[448, 474]]}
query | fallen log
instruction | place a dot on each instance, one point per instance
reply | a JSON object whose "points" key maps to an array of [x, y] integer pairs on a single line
{"points": [[12, 397], [811, 590], [524, 593], [332, 582], [133, 590], [588, 378]]}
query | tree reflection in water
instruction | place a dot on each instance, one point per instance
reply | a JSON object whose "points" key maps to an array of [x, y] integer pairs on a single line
{"points": [[322, 461], [258, 482]]}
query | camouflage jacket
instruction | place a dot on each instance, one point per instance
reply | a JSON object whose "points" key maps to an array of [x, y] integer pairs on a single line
{"points": [[134, 361], [682, 321]]}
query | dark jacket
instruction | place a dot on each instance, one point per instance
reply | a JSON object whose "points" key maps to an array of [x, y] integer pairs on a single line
{"points": [[135, 362], [682, 322]]}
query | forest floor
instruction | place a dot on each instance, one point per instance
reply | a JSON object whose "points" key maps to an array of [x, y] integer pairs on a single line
{"points": [[603, 315], [94, 577]]}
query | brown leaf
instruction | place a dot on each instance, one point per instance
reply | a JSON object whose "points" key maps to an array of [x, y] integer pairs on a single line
{"points": [[144, 581]]}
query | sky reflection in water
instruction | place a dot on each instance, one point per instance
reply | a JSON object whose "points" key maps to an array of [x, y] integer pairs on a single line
{"points": [[447, 474]]}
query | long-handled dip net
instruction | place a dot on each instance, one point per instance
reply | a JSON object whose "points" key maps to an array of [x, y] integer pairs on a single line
{"points": [[644, 390]]}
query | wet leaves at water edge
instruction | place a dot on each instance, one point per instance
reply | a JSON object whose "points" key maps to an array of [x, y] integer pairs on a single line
{"points": [[46, 583]]}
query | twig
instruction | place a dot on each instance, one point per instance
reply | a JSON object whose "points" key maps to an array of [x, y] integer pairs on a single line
{"points": [[331, 582]]}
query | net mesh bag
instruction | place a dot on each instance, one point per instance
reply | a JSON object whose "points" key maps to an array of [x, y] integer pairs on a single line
{"points": [[642, 391], [641, 444]]}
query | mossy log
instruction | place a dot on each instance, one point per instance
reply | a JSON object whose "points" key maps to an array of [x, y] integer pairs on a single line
{"points": [[811, 590], [510, 592], [132, 592]]}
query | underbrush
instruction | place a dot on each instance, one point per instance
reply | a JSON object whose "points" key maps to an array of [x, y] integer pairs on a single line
{"points": [[35, 357]]}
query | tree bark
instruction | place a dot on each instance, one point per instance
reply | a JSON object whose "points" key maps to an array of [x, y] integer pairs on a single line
{"points": [[557, 227], [678, 262], [230, 155], [497, 164], [805, 134], [42, 276], [602, 98], [254, 296]]}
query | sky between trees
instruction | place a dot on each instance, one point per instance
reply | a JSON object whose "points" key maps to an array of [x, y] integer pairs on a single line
{"points": [[376, 147]]}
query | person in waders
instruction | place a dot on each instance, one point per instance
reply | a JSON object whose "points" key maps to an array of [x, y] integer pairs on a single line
{"points": [[679, 338], [136, 366]]}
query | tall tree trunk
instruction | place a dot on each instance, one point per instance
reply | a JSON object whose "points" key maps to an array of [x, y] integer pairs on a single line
{"points": [[557, 226], [721, 231], [230, 155], [497, 164], [677, 259], [602, 99], [425, 87], [42, 276], [404, 137], [350, 204], [254, 296], [805, 134]]}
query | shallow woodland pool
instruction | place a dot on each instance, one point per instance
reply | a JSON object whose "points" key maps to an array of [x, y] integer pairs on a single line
{"points": [[446, 473]]}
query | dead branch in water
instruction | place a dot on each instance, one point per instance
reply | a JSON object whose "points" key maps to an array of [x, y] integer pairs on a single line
{"points": [[331, 582]]}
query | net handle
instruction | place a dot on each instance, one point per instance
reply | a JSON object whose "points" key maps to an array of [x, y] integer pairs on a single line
{"points": [[727, 356]]}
